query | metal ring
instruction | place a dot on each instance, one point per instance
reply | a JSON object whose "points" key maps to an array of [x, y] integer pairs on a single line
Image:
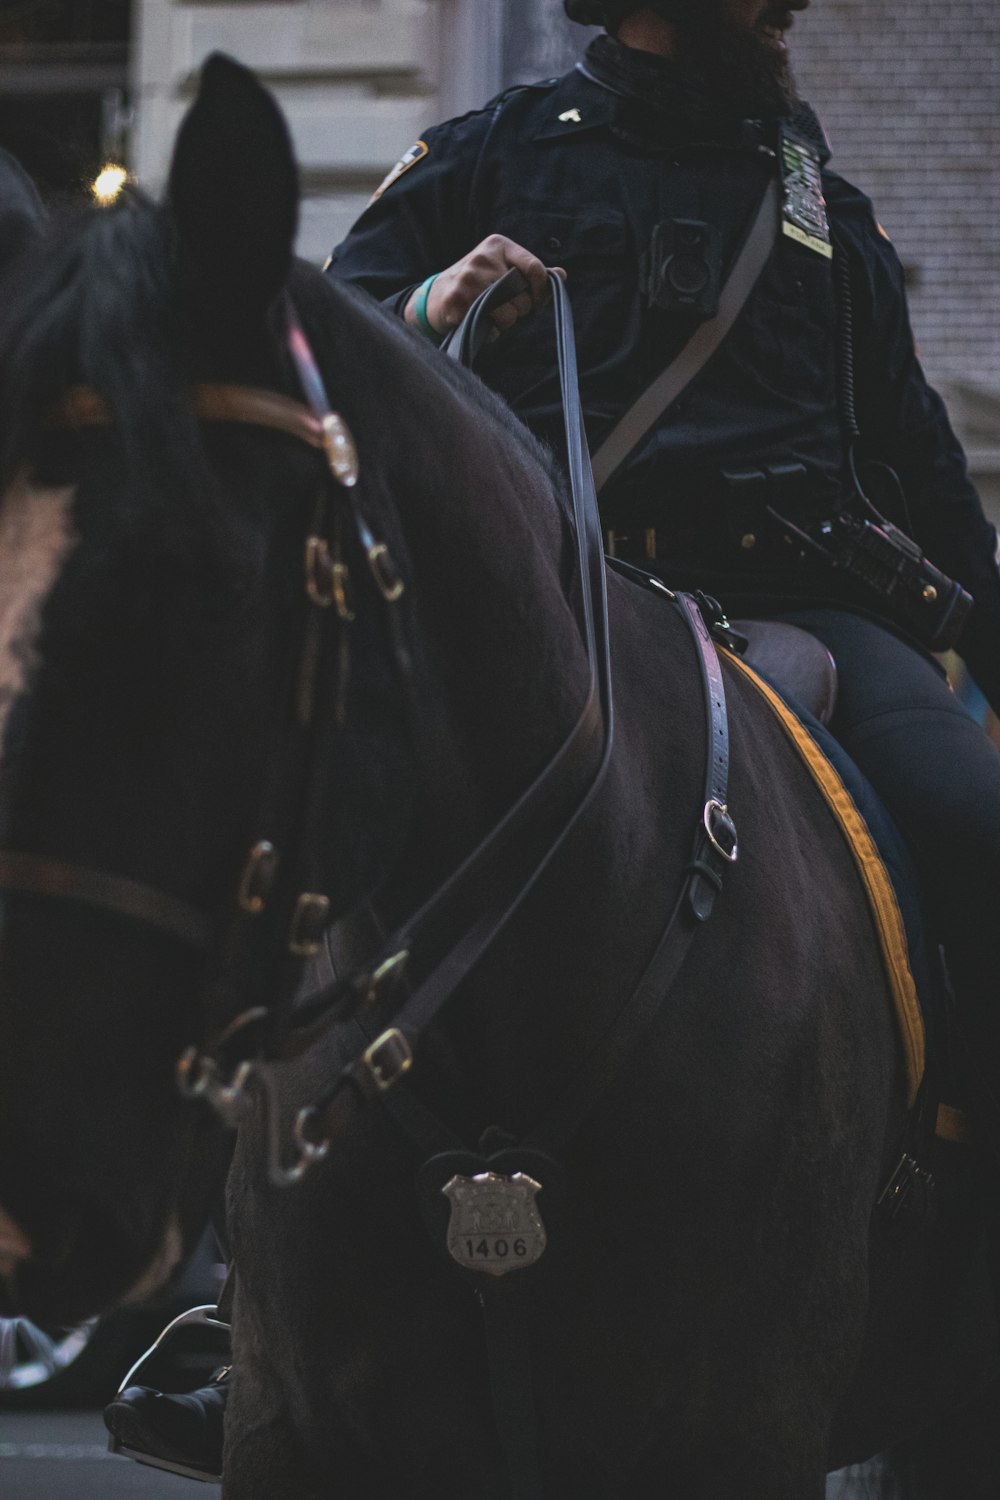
{"points": [[717, 813], [227, 1097], [195, 1071], [310, 1151]]}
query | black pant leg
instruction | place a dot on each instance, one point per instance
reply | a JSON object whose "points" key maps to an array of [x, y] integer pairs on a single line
{"points": [[939, 775]]}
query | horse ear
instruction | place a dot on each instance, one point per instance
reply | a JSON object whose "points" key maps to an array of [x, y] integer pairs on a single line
{"points": [[22, 216], [234, 192]]}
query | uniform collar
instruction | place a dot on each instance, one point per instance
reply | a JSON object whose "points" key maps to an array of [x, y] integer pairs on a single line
{"points": [[649, 100], [578, 106], [594, 97]]}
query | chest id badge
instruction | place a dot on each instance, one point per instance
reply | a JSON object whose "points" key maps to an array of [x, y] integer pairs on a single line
{"points": [[803, 212], [495, 1225]]}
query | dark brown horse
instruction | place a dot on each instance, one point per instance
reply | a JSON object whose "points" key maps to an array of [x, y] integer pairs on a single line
{"points": [[712, 1317]]}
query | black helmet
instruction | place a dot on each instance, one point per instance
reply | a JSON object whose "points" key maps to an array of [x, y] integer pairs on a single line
{"points": [[611, 13]]}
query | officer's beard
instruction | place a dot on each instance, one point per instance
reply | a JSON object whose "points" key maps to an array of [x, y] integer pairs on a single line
{"points": [[741, 69]]}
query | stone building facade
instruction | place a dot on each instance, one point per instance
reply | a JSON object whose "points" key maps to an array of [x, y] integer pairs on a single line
{"points": [[358, 80]]}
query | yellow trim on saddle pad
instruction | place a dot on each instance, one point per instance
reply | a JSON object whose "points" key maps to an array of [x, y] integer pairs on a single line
{"points": [[875, 877]]}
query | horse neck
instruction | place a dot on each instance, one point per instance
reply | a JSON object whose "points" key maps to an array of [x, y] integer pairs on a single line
{"points": [[495, 634]]}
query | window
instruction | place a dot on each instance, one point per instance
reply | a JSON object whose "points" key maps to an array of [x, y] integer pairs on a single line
{"points": [[62, 105]]}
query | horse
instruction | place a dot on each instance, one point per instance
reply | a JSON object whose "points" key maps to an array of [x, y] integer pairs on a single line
{"points": [[713, 1315]]}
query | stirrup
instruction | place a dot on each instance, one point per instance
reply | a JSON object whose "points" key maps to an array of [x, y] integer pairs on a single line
{"points": [[206, 1316]]}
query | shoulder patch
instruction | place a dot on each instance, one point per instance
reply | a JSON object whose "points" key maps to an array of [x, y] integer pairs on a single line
{"points": [[416, 153], [882, 232]]}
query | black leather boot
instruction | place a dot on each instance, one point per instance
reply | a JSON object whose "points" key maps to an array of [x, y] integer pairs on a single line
{"points": [[182, 1434]]}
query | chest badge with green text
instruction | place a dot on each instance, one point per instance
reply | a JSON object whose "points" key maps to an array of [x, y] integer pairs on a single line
{"points": [[804, 211]]}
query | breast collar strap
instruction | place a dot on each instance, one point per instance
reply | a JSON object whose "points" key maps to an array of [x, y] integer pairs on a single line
{"points": [[575, 1094]]}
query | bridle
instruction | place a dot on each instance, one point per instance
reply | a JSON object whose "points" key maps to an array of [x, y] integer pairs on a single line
{"points": [[440, 944], [479, 898], [36, 875]]}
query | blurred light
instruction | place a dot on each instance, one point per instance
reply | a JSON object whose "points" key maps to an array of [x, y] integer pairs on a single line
{"points": [[108, 183]]}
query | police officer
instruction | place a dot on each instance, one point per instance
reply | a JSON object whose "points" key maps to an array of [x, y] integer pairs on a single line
{"points": [[638, 174], [677, 120]]}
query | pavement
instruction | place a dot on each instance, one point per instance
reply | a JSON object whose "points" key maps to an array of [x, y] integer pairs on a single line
{"points": [[64, 1456]]}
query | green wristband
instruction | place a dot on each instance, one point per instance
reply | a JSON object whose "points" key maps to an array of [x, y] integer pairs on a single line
{"points": [[420, 310]]}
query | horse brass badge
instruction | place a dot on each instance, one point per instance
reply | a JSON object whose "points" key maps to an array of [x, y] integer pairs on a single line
{"points": [[495, 1225]]}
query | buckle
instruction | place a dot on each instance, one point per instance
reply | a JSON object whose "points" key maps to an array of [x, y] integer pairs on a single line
{"points": [[309, 921], [258, 877], [384, 572], [632, 544], [387, 1059], [716, 821]]}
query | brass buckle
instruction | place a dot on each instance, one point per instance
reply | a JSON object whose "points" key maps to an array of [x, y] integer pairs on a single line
{"points": [[716, 816], [312, 912], [387, 1059], [384, 572], [258, 877], [391, 968], [321, 581]]}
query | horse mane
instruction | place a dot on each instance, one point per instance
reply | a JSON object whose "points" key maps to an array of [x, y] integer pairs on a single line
{"points": [[95, 307]]}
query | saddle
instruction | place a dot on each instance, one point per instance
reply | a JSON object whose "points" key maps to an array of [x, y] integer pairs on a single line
{"points": [[798, 664]]}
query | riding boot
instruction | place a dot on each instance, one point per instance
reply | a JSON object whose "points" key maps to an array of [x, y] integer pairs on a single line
{"points": [[182, 1434]]}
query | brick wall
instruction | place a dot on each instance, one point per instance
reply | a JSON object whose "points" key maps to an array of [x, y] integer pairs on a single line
{"points": [[909, 91]]}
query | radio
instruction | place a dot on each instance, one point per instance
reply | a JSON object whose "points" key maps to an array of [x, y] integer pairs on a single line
{"points": [[915, 594]]}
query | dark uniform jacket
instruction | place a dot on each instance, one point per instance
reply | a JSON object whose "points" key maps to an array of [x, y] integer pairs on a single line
{"points": [[579, 170]]}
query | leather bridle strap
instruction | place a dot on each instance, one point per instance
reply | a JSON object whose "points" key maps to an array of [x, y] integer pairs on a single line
{"points": [[35, 875], [84, 407], [26, 874]]}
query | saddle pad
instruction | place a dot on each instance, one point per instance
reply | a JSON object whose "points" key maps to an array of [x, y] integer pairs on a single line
{"points": [[878, 885]]}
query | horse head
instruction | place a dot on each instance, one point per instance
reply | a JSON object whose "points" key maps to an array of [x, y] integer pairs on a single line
{"points": [[172, 676], [152, 641]]}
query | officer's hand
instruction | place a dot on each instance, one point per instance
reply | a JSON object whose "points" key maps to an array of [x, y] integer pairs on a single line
{"points": [[455, 290]]}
